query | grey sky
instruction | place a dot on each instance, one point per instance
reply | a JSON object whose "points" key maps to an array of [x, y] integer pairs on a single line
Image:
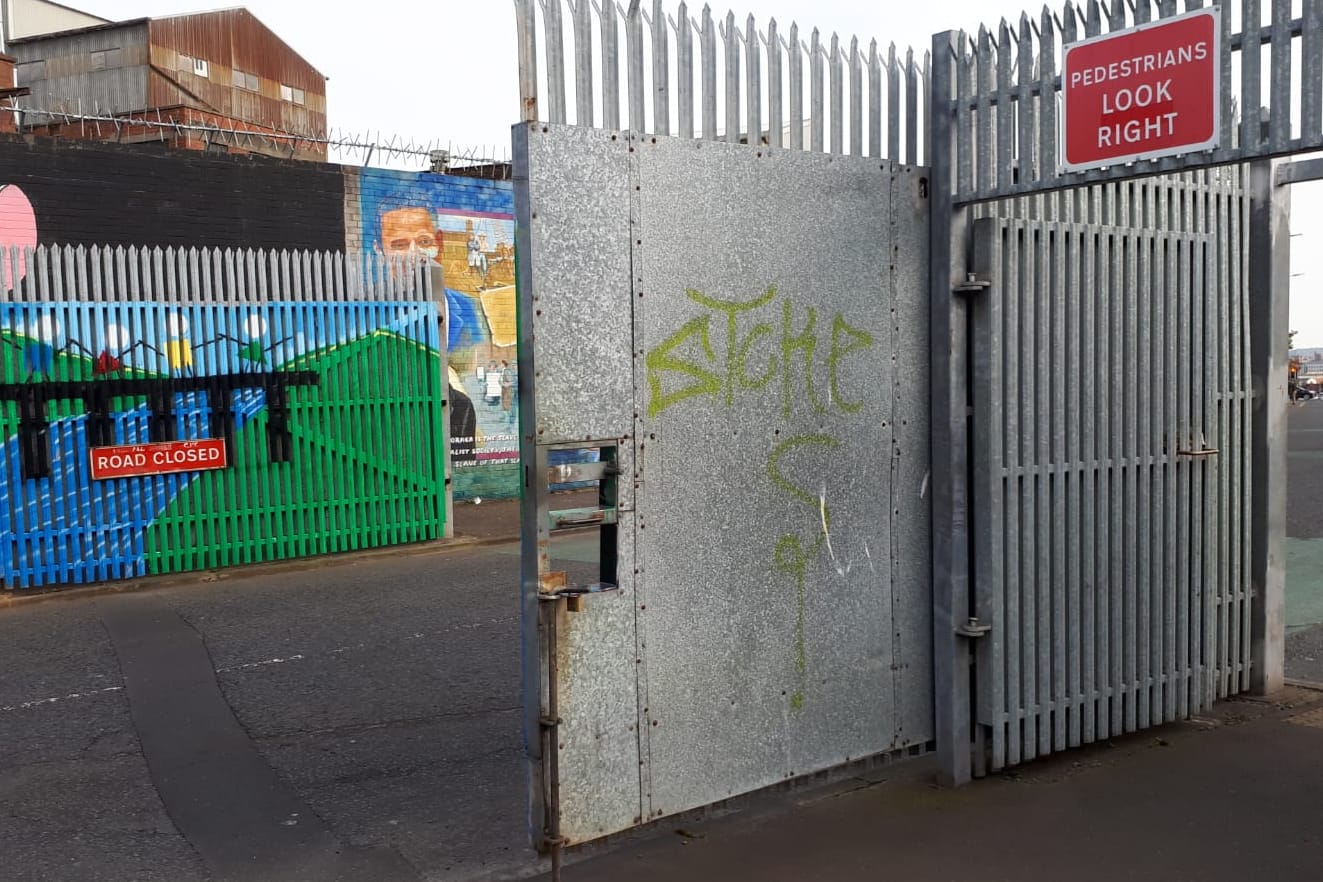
{"points": [[446, 72]]}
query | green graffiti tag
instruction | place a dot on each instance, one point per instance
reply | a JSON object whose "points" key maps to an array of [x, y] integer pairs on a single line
{"points": [[790, 556], [685, 367], [662, 360], [791, 355]]}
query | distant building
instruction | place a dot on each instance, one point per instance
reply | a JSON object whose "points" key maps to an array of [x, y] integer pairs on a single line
{"points": [[209, 72]]}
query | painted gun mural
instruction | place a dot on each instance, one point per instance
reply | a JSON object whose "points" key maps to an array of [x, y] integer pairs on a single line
{"points": [[212, 427]]}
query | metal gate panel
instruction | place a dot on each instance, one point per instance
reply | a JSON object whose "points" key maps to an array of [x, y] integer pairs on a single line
{"points": [[747, 330], [1110, 463], [577, 388], [772, 492]]}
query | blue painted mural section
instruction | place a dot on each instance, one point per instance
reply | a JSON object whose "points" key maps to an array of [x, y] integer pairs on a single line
{"points": [[59, 526], [68, 528]]}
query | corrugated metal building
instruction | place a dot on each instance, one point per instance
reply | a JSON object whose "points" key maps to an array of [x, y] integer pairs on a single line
{"points": [[210, 72]]}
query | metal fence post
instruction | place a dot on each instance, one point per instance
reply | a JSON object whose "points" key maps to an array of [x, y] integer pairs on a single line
{"points": [[1269, 304], [949, 433]]}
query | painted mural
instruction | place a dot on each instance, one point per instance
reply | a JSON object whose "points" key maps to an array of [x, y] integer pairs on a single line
{"points": [[414, 214], [321, 417]]}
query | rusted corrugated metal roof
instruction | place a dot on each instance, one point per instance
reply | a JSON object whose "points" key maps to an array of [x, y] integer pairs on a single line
{"points": [[230, 37], [235, 37]]}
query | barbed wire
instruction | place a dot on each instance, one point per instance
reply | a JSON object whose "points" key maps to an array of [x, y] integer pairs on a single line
{"points": [[435, 155]]}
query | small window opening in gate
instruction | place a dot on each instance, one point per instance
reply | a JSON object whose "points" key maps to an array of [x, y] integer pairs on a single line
{"points": [[582, 503]]}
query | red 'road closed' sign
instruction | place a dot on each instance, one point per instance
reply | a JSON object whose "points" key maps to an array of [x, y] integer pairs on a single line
{"points": [[1142, 93], [163, 458]]}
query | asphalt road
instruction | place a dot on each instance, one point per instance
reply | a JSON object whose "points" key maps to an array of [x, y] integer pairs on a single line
{"points": [[383, 693]]}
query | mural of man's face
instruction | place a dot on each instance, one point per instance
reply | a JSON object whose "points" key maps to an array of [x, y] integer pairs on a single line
{"points": [[407, 231]]}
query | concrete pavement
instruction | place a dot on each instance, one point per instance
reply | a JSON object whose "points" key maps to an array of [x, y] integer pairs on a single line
{"points": [[1233, 795], [362, 719]]}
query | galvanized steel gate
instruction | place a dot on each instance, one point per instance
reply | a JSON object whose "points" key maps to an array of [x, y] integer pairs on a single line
{"points": [[1099, 400], [1109, 382], [1110, 474]]}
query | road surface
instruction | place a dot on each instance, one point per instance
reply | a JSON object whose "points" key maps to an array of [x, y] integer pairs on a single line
{"points": [[362, 716]]}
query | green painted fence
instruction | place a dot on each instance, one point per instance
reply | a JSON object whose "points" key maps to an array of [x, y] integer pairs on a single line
{"points": [[322, 374]]}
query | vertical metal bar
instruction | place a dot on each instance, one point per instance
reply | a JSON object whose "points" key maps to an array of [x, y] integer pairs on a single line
{"points": [[525, 21], [1058, 491], [1251, 65], [1155, 389], [1116, 16], [834, 63], [1280, 75], [796, 89], [583, 61], [1242, 223], [948, 447], [856, 100], [1038, 127], [1311, 72], [707, 37], [1018, 567], [1092, 19], [964, 120], [875, 103], [989, 482], [1106, 454], [1228, 134], [1225, 411], [753, 82], [912, 101], [1269, 303], [1148, 497], [732, 37], [926, 98], [607, 15], [1171, 443], [817, 104], [1069, 34], [1003, 169], [1027, 107], [893, 104], [1077, 475], [1044, 343], [1184, 473], [1200, 467], [1215, 510], [1143, 11], [1136, 496], [1116, 513], [661, 73], [684, 72], [984, 140], [775, 116], [634, 67], [555, 60]]}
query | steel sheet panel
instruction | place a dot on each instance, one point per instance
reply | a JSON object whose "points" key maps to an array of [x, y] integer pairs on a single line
{"points": [[574, 293], [769, 405]]}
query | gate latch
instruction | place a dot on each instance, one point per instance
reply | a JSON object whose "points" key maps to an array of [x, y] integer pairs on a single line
{"points": [[973, 629], [971, 286]]}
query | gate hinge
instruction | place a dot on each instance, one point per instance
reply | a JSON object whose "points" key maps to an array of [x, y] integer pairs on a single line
{"points": [[973, 629], [972, 285]]}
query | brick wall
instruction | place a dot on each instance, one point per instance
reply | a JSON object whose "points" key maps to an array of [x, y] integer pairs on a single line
{"points": [[91, 193], [6, 82]]}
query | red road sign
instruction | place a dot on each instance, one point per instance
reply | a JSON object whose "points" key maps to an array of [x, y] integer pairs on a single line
{"points": [[1141, 93], [163, 458]]}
